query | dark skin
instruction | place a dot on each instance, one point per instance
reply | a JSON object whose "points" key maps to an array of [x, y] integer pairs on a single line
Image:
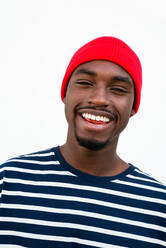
{"points": [[99, 88]]}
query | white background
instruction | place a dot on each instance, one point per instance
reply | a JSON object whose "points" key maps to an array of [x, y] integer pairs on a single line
{"points": [[37, 40]]}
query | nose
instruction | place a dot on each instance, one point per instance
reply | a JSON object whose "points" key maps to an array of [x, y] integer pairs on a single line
{"points": [[99, 97]]}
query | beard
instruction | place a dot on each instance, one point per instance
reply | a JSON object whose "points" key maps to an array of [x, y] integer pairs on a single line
{"points": [[93, 145]]}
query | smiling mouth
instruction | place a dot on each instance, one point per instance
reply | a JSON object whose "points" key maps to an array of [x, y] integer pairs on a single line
{"points": [[95, 119]]}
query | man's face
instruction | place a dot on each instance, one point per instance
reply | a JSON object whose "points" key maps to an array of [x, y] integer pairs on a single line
{"points": [[98, 103]]}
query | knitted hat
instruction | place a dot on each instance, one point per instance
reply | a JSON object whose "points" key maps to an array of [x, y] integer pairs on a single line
{"points": [[111, 49]]}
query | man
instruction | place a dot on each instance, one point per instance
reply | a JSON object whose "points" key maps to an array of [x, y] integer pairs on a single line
{"points": [[83, 194]]}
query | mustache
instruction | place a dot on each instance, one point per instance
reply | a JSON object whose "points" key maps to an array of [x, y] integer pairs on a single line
{"points": [[111, 112]]}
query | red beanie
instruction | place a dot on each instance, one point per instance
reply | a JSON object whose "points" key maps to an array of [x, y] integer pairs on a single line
{"points": [[111, 49]]}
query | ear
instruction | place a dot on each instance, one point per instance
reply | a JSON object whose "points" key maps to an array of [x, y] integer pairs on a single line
{"points": [[132, 112], [64, 100]]}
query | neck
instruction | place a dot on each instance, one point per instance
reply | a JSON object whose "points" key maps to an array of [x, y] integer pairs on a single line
{"points": [[104, 162]]}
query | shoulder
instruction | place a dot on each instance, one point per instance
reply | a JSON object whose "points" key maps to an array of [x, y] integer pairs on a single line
{"points": [[145, 183], [27, 167], [44, 157], [141, 175], [144, 190]]}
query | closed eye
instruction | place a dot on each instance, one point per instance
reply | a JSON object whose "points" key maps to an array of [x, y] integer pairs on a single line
{"points": [[86, 83], [119, 90]]}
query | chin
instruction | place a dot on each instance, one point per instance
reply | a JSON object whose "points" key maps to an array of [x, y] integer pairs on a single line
{"points": [[93, 145]]}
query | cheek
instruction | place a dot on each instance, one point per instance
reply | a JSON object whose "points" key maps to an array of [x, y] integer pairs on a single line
{"points": [[125, 108]]}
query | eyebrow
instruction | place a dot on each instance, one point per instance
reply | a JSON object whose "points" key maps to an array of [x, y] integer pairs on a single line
{"points": [[114, 78], [86, 71], [122, 79]]}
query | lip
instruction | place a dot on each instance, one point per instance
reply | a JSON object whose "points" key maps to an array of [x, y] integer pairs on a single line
{"points": [[109, 115], [95, 127], [89, 126]]}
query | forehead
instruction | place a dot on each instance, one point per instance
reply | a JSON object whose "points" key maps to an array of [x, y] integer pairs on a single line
{"points": [[104, 67]]}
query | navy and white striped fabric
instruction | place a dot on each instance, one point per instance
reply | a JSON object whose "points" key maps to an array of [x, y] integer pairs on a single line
{"points": [[47, 203]]}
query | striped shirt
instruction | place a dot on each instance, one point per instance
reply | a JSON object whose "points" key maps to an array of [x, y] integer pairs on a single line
{"points": [[45, 202]]}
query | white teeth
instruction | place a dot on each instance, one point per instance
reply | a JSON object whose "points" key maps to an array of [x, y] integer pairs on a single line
{"points": [[106, 119], [94, 117]]}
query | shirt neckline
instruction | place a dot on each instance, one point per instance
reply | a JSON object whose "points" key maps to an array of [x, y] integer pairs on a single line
{"points": [[88, 177]]}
